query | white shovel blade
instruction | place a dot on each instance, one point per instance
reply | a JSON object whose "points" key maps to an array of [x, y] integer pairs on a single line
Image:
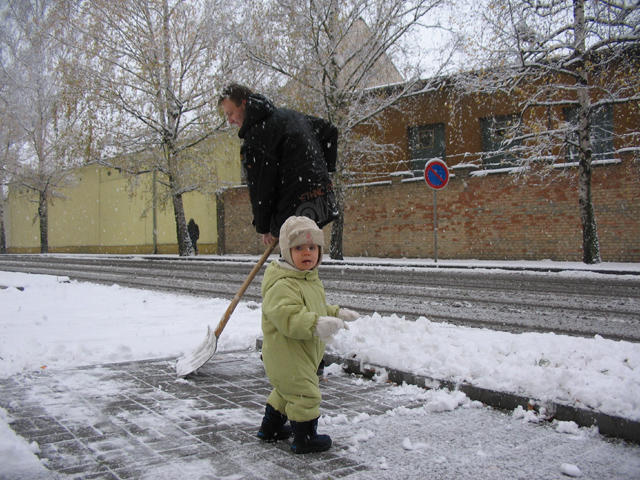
{"points": [[189, 363]]}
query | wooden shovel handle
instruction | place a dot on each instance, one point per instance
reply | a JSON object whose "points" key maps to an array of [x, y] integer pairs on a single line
{"points": [[243, 288]]}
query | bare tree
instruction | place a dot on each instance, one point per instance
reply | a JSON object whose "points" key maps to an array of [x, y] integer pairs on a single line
{"points": [[326, 57], [152, 68], [42, 114], [563, 65]]}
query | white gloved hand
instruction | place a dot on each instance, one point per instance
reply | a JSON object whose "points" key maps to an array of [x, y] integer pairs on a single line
{"points": [[348, 315], [327, 327]]}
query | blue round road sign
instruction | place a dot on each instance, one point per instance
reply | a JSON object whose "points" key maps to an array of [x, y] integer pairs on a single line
{"points": [[436, 174]]}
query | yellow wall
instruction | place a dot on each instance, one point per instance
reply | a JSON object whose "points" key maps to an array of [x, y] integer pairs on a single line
{"points": [[21, 222], [101, 212]]}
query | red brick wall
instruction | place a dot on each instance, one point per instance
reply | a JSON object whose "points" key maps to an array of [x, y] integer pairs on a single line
{"points": [[489, 217], [237, 234]]}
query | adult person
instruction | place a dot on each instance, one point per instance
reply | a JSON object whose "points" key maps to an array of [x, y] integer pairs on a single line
{"points": [[286, 157], [194, 234]]}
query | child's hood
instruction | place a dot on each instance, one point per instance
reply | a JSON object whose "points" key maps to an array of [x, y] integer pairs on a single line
{"points": [[299, 231]]}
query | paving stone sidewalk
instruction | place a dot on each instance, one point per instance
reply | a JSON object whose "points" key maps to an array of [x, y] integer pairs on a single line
{"points": [[120, 421], [137, 421]]}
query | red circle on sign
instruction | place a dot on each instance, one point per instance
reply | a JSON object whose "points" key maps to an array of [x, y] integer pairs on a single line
{"points": [[436, 174]]}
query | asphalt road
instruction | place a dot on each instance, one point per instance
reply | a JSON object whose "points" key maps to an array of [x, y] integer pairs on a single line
{"points": [[515, 300]]}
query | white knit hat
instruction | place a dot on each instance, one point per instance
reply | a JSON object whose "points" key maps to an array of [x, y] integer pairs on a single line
{"points": [[299, 231]]}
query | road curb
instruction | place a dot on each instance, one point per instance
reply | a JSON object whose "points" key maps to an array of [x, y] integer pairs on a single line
{"points": [[608, 425]]}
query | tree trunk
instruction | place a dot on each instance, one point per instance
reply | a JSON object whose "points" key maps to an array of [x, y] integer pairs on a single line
{"points": [[337, 228], [185, 248], [154, 207], [335, 114], [3, 238], [590, 242], [43, 215]]}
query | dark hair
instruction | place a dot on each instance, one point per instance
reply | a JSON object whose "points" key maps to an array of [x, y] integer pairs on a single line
{"points": [[235, 92]]}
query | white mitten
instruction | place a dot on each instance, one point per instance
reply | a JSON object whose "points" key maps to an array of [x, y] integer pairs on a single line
{"points": [[327, 327], [348, 315]]}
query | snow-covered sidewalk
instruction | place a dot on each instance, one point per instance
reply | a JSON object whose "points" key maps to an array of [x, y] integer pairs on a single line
{"points": [[136, 420], [52, 323]]}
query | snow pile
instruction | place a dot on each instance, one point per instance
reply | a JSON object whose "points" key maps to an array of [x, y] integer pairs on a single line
{"points": [[587, 372], [570, 470], [18, 456], [426, 402], [54, 323]]}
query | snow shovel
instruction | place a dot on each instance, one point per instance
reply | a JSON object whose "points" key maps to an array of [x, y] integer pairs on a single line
{"points": [[187, 364]]}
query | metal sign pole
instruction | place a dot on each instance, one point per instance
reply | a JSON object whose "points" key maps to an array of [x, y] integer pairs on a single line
{"points": [[436, 174], [435, 225]]}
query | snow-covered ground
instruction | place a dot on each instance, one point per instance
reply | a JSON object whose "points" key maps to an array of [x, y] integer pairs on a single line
{"points": [[53, 323]]}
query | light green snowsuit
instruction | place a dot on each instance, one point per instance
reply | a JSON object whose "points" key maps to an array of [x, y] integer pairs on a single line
{"points": [[292, 301]]}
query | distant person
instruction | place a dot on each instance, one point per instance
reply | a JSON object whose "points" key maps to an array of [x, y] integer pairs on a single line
{"points": [[194, 234], [286, 157], [296, 324]]}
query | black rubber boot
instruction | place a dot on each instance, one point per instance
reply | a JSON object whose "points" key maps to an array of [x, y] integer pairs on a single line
{"points": [[306, 438], [273, 426]]}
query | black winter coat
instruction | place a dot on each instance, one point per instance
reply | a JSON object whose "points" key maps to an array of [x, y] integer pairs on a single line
{"points": [[286, 156]]}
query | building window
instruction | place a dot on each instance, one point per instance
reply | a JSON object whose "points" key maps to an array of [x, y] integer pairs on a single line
{"points": [[425, 142], [497, 143], [601, 133]]}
